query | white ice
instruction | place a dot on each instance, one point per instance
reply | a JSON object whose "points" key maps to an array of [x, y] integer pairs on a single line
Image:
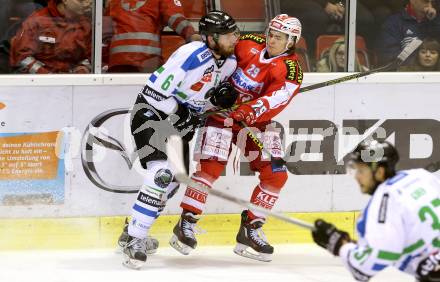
{"points": [[293, 263]]}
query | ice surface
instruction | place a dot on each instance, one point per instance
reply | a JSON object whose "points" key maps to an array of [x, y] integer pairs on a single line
{"points": [[293, 263]]}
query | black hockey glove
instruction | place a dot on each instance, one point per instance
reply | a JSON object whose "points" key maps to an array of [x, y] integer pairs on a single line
{"points": [[429, 268], [224, 95], [329, 237], [187, 122]]}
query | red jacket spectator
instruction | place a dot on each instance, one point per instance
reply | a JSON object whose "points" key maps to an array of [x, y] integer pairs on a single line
{"points": [[136, 46], [56, 39]]}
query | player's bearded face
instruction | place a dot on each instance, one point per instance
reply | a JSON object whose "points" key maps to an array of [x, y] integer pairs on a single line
{"points": [[364, 176], [226, 43]]}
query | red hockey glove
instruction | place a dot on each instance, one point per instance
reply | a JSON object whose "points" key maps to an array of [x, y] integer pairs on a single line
{"points": [[244, 113]]}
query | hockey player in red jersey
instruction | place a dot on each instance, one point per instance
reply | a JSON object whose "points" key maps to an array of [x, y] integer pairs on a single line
{"points": [[267, 77]]}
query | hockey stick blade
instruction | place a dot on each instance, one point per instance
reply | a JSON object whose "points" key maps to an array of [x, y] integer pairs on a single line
{"points": [[408, 50], [175, 158]]}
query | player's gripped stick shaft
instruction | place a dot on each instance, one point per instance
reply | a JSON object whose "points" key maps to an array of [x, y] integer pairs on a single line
{"points": [[403, 56], [175, 157]]}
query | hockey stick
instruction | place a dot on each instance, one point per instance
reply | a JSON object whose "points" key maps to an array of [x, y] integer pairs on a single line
{"points": [[174, 154], [406, 52], [403, 56]]}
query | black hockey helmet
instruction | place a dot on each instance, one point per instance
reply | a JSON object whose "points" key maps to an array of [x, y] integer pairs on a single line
{"points": [[376, 153], [217, 22]]}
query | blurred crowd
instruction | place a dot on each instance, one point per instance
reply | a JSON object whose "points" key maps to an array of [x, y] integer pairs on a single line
{"points": [[55, 36]]}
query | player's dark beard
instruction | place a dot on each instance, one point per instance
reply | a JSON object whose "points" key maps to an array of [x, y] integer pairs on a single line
{"points": [[222, 51]]}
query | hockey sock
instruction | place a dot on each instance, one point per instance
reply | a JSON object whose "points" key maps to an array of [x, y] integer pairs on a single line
{"points": [[263, 198], [145, 211], [194, 199]]}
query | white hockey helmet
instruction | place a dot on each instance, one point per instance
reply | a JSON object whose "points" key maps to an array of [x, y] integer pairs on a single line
{"points": [[288, 25]]}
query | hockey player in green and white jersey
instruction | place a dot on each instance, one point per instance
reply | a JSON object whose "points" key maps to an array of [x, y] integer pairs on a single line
{"points": [[399, 227], [193, 80]]}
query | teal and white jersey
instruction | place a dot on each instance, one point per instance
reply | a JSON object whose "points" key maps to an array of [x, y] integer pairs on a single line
{"points": [[186, 77], [399, 227]]}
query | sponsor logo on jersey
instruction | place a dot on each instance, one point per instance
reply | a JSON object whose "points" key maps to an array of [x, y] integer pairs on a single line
{"points": [[140, 224], [204, 55], [163, 178], [245, 83], [253, 37], [150, 92], [196, 105], [294, 71], [146, 199], [255, 51], [196, 194], [264, 199], [197, 86], [207, 74]]}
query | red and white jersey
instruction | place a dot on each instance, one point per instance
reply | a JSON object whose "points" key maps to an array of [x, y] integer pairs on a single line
{"points": [[269, 84]]}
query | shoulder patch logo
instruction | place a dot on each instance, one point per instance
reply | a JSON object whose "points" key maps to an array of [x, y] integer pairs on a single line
{"points": [[294, 71], [256, 38], [204, 55]]}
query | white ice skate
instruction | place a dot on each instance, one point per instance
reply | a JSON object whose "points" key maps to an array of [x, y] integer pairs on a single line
{"points": [[152, 244], [134, 253]]}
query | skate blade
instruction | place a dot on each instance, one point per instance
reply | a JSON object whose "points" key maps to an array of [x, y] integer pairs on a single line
{"points": [[132, 263], [120, 248], [179, 246], [150, 251], [243, 250]]}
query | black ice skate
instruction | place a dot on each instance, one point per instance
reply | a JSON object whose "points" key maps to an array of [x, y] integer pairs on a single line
{"points": [[183, 239], [134, 253], [151, 243], [251, 242]]}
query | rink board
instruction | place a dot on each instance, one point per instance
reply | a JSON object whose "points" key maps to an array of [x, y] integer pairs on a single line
{"points": [[102, 232], [42, 199]]}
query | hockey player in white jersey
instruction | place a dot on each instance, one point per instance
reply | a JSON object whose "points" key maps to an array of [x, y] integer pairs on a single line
{"points": [[193, 80], [399, 227]]}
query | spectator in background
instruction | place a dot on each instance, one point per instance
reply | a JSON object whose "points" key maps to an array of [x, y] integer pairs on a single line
{"points": [[12, 15], [56, 39], [418, 19], [135, 45], [377, 11], [334, 59], [324, 17], [427, 57], [380, 10]]}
